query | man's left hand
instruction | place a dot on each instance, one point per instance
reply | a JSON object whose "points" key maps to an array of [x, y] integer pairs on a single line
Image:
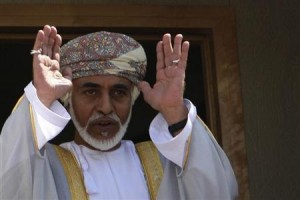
{"points": [[166, 95]]}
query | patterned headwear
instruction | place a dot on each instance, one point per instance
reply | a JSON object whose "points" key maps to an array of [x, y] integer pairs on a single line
{"points": [[105, 53]]}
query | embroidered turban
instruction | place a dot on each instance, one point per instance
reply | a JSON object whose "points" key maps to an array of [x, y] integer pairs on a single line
{"points": [[104, 53]]}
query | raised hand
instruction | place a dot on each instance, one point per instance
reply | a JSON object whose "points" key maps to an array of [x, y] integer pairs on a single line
{"points": [[166, 95], [49, 82]]}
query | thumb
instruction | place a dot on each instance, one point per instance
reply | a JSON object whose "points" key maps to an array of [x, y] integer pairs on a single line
{"points": [[144, 87], [67, 73]]}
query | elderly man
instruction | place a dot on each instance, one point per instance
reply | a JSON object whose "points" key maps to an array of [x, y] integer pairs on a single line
{"points": [[98, 76]]}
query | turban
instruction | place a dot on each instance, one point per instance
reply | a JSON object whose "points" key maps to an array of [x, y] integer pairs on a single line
{"points": [[104, 53]]}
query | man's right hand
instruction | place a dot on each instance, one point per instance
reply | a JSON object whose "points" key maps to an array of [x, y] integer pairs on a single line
{"points": [[47, 79]]}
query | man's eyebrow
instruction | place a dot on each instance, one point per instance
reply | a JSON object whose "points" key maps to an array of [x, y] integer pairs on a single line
{"points": [[90, 85], [116, 86], [122, 86]]}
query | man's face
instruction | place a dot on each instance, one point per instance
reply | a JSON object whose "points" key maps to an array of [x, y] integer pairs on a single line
{"points": [[100, 106]]}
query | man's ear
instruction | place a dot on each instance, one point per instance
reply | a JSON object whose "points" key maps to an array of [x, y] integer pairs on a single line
{"points": [[134, 94], [65, 99]]}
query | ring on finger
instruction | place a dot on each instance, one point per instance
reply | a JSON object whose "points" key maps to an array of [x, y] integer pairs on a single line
{"points": [[175, 62], [38, 51]]}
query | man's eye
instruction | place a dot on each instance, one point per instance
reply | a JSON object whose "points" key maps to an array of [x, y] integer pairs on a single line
{"points": [[90, 92], [119, 93]]}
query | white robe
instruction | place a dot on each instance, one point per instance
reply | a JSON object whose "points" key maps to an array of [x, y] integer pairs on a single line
{"points": [[111, 175], [26, 174]]}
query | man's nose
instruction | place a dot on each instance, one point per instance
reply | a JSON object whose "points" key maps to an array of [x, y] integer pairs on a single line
{"points": [[104, 105]]}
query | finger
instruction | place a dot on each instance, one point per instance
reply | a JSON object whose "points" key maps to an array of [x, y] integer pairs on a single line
{"points": [[177, 47], [38, 41], [50, 45], [168, 49], [67, 73], [47, 63], [184, 54], [47, 31], [144, 87], [51, 41], [160, 63], [56, 49], [53, 64]]}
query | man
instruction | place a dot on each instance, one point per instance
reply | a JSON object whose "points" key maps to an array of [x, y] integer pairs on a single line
{"points": [[98, 77]]}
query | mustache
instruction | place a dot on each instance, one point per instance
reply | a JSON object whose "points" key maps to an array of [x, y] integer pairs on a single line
{"points": [[98, 116]]}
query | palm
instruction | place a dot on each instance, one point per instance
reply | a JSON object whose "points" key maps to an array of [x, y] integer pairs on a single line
{"points": [[48, 79], [168, 89]]}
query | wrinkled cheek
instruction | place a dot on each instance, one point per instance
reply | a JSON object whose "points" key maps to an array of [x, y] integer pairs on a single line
{"points": [[126, 117], [123, 118], [82, 115]]}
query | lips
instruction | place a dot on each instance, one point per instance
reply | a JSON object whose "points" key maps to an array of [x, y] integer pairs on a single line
{"points": [[103, 127]]}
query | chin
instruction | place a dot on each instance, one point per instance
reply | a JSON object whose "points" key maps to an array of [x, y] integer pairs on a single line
{"points": [[101, 144]]}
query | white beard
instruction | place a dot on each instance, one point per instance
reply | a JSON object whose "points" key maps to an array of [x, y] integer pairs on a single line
{"points": [[103, 144]]}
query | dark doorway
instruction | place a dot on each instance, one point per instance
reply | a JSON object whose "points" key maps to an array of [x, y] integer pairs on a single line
{"points": [[16, 62]]}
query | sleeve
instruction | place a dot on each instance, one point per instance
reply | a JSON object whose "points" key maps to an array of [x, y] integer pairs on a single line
{"points": [[206, 172], [165, 142], [25, 172], [48, 122]]}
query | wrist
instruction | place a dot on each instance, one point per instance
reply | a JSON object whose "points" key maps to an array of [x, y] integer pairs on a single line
{"points": [[45, 100], [174, 129], [176, 114]]}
